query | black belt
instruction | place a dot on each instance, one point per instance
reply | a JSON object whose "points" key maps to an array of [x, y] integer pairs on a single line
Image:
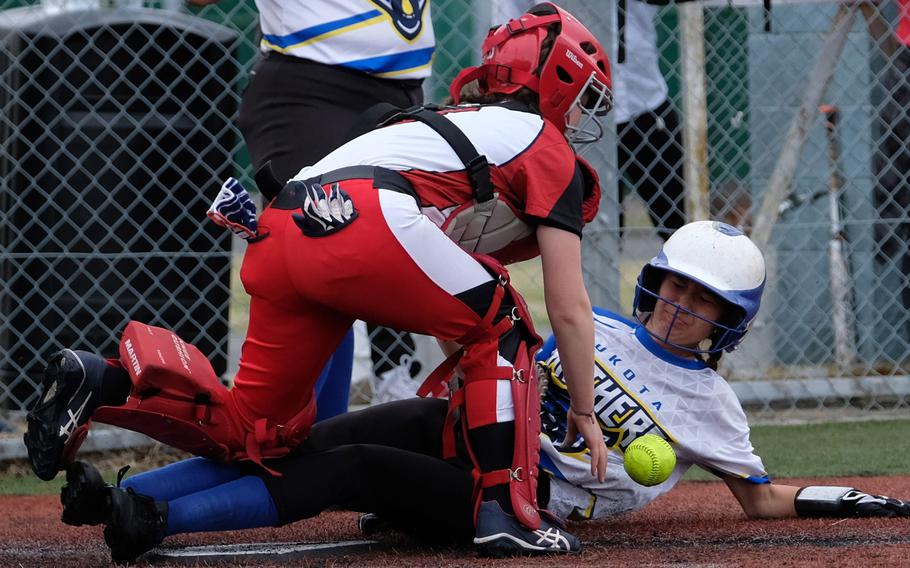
{"points": [[383, 178]]}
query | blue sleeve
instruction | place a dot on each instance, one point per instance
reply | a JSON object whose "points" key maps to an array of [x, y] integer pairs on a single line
{"points": [[550, 344], [613, 315], [547, 349]]}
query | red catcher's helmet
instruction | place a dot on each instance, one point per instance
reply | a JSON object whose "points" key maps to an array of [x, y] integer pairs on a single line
{"points": [[573, 84]]}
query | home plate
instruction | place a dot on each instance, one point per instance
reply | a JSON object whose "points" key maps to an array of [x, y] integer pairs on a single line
{"points": [[256, 551]]}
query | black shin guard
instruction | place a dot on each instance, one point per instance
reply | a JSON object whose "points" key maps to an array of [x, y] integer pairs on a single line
{"points": [[115, 386]]}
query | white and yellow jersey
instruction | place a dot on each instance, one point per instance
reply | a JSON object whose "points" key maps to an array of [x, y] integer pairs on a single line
{"points": [[386, 38], [640, 389]]}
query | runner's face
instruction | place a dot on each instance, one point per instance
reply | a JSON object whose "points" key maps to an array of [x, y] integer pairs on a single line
{"points": [[678, 325]]}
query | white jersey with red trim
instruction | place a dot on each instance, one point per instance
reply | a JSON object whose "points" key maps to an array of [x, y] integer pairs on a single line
{"points": [[640, 389], [533, 168]]}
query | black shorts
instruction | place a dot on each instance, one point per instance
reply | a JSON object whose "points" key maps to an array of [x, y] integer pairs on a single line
{"points": [[295, 111]]}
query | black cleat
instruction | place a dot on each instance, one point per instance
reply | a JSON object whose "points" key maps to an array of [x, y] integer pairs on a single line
{"points": [[85, 497], [59, 421], [371, 524], [499, 534], [137, 524]]}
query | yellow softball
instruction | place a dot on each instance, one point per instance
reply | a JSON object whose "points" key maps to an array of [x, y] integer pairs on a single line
{"points": [[649, 460]]}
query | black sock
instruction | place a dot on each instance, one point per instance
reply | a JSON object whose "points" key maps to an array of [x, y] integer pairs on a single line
{"points": [[115, 386], [493, 446]]}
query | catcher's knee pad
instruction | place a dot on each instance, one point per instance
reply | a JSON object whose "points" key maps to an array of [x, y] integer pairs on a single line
{"points": [[177, 399], [479, 362]]}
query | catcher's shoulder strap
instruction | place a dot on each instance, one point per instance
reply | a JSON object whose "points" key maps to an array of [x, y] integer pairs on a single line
{"points": [[476, 164]]}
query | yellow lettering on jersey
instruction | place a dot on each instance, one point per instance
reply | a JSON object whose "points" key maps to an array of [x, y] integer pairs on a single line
{"points": [[622, 415], [620, 410]]}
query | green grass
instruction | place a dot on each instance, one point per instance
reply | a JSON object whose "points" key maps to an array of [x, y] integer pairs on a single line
{"points": [[30, 485], [830, 449], [813, 450]]}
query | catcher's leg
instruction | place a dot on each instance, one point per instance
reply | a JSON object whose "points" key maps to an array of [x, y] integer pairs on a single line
{"points": [[405, 273], [502, 425]]}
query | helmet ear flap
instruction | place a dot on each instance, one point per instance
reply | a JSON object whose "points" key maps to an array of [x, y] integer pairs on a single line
{"points": [[732, 332], [558, 97], [647, 288]]}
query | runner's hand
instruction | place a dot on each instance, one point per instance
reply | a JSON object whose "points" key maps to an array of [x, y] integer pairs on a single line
{"points": [[866, 505]]}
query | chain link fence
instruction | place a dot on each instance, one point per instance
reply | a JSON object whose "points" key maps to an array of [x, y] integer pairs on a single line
{"points": [[118, 124]]}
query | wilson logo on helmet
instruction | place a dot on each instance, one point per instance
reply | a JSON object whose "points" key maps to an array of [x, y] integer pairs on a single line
{"points": [[574, 59]]}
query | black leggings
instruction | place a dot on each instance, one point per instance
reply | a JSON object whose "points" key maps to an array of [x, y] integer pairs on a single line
{"points": [[386, 460]]}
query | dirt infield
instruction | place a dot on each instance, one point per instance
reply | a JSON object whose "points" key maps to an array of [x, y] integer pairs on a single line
{"points": [[697, 524]]}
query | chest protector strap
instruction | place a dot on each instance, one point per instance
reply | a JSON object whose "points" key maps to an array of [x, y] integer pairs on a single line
{"points": [[481, 347], [485, 225], [476, 164]]}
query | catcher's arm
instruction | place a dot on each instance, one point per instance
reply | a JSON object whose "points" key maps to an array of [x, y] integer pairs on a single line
{"points": [[569, 310]]}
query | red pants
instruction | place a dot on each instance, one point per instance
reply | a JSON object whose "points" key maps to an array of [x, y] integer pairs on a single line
{"points": [[391, 266]]}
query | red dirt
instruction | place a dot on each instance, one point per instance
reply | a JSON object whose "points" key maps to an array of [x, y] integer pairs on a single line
{"points": [[696, 524]]}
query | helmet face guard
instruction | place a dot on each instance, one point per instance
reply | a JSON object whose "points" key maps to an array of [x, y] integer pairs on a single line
{"points": [[728, 332], [582, 123], [723, 260], [575, 74]]}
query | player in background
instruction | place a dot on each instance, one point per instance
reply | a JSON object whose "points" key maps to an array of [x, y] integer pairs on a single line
{"points": [[318, 71], [654, 374], [406, 226]]}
